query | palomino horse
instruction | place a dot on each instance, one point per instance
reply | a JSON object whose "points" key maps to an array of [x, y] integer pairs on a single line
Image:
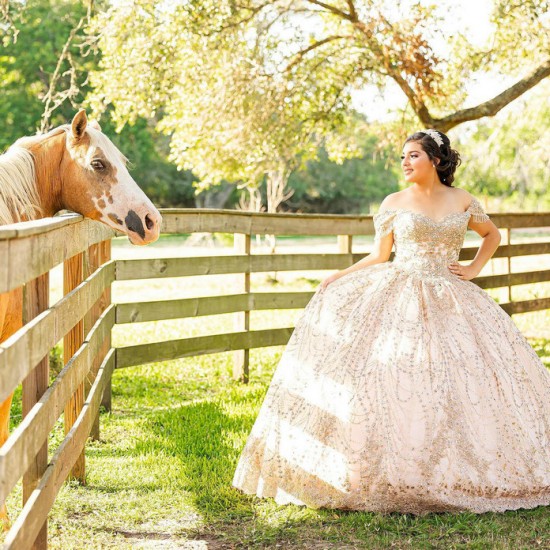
{"points": [[74, 167]]}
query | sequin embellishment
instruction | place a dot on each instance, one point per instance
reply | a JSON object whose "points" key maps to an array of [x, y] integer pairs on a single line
{"points": [[404, 388]]}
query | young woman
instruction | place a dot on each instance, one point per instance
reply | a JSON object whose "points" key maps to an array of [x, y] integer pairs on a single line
{"points": [[404, 386]]}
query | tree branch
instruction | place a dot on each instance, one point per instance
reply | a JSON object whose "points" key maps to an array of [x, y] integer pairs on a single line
{"points": [[299, 55], [253, 12], [7, 21], [491, 107], [332, 9], [352, 11], [52, 100], [418, 105]]}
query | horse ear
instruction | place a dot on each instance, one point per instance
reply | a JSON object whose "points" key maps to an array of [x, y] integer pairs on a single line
{"points": [[78, 125], [94, 124]]}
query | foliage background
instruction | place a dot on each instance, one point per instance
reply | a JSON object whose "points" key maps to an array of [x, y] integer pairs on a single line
{"points": [[505, 158]]}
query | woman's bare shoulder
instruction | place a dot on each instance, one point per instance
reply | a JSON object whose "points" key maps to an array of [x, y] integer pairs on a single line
{"points": [[463, 196], [392, 201]]}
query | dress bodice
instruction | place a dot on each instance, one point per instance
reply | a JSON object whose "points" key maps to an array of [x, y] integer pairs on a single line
{"points": [[424, 245]]}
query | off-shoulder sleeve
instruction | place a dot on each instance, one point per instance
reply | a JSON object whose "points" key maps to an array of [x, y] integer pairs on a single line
{"points": [[476, 211], [383, 223]]}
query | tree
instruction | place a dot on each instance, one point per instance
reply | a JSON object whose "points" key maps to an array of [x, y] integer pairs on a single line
{"points": [[507, 157], [9, 16], [228, 118], [352, 187], [28, 63], [249, 91], [27, 67]]}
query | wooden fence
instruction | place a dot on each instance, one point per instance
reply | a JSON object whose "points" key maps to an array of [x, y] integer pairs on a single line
{"points": [[244, 225], [84, 318]]}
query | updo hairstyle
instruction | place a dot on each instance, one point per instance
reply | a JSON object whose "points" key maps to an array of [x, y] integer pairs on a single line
{"points": [[448, 158]]}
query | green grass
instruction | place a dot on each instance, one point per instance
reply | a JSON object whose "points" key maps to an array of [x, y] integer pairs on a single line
{"points": [[161, 474], [163, 468]]}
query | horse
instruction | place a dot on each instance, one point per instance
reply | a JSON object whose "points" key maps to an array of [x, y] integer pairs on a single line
{"points": [[75, 167]]}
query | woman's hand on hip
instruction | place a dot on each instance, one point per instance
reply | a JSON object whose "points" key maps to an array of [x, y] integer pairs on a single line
{"points": [[464, 272]]}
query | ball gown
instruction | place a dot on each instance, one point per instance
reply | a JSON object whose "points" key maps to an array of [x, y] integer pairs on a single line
{"points": [[404, 388]]}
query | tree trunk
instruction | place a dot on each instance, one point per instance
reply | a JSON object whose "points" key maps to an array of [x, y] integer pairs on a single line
{"points": [[215, 197], [277, 193]]}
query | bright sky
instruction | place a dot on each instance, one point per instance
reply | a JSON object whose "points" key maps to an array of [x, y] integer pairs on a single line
{"points": [[468, 16]]}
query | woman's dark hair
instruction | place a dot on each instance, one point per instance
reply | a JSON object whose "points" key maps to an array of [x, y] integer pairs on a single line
{"points": [[448, 159]]}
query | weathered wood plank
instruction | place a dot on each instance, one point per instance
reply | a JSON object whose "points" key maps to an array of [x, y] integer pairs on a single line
{"points": [[345, 243], [525, 306], [105, 302], [210, 305], [36, 227], [241, 357], [36, 297], [250, 223], [230, 221], [73, 276], [140, 312], [18, 451], [522, 219], [32, 252], [4, 264], [524, 278], [279, 300], [91, 263], [216, 265], [23, 350], [165, 351], [36, 509], [200, 345], [527, 249], [31, 256]]}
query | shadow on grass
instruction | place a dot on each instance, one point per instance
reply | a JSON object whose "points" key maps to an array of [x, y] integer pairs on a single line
{"points": [[170, 450], [205, 439]]}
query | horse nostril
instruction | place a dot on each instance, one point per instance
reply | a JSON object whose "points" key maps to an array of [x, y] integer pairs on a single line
{"points": [[149, 223]]}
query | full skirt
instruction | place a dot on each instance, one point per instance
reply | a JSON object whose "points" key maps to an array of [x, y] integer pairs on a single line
{"points": [[398, 392]]}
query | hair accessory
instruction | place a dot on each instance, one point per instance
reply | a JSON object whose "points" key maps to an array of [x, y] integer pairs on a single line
{"points": [[434, 134]]}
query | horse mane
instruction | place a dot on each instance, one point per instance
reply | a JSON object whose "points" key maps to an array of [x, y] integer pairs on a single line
{"points": [[19, 198]]}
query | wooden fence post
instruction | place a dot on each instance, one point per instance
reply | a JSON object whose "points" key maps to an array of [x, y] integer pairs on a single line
{"points": [[72, 277], [345, 244], [241, 358], [105, 301], [36, 300], [509, 263], [97, 255], [91, 263]]}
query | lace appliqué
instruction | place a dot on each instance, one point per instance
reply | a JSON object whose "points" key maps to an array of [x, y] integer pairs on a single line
{"points": [[477, 212], [383, 223]]}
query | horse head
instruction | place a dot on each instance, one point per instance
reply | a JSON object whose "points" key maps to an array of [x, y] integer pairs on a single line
{"points": [[96, 183]]}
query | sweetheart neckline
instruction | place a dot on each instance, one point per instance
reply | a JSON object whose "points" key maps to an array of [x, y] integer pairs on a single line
{"points": [[421, 214]]}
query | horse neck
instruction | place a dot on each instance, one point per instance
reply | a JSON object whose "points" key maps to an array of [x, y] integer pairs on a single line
{"points": [[47, 154]]}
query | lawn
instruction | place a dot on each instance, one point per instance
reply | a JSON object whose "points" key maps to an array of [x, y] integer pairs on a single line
{"points": [[160, 477]]}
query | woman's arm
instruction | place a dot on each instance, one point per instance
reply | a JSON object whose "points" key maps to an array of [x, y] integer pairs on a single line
{"points": [[491, 239], [381, 253]]}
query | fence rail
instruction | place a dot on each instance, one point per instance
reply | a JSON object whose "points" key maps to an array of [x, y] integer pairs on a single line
{"points": [[84, 318], [29, 251]]}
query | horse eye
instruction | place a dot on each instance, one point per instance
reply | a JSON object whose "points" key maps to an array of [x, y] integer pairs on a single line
{"points": [[97, 165]]}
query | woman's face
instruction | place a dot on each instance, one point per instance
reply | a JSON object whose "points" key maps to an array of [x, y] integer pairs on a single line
{"points": [[417, 166]]}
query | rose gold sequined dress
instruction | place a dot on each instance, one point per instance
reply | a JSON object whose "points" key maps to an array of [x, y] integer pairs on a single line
{"points": [[404, 388]]}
